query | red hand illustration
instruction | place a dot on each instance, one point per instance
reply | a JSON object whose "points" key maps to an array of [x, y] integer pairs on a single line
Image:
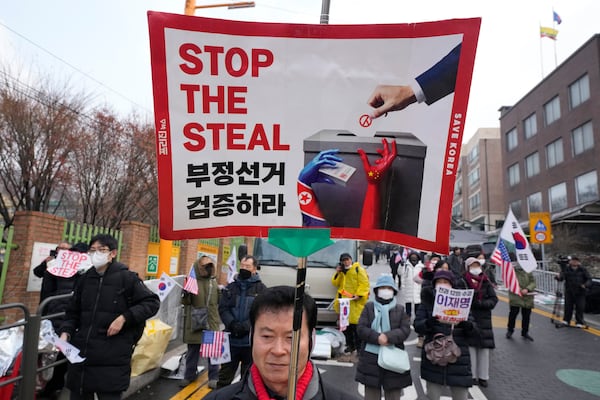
{"points": [[375, 174]]}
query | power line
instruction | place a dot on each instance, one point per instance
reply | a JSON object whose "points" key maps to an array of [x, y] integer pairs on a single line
{"points": [[76, 69]]}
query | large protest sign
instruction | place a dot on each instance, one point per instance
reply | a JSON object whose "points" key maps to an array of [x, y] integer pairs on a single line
{"points": [[452, 306], [264, 125]]}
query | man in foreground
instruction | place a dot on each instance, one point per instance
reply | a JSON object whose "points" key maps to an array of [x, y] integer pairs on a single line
{"points": [[271, 320]]}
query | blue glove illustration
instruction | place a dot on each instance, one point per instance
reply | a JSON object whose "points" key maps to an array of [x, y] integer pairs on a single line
{"points": [[310, 173]]}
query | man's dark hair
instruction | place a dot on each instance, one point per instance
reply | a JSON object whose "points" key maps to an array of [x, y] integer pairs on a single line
{"points": [[251, 258], [279, 298], [80, 247], [105, 240]]}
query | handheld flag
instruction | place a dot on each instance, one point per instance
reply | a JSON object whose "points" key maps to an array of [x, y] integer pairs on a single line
{"points": [[232, 266], [513, 233], [501, 258], [550, 33], [191, 284], [212, 344], [165, 285], [556, 17]]}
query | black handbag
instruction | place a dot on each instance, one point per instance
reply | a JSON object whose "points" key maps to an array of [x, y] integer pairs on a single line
{"points": [[442, 350], [199, 316]]}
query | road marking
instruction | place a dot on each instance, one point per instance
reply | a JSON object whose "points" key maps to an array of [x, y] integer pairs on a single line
{"points": [[334, 363], [411, 393]]}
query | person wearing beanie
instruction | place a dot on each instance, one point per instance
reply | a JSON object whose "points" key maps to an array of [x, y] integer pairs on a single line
{"points": [[351, 281], [457, 376], [484, 301], [382, 322]]}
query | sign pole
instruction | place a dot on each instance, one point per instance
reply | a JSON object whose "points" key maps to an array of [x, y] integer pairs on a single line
{"points": [[299, 242]]}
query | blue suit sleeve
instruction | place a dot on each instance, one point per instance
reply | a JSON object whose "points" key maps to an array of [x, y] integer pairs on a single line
{"points": [[439, 80]]}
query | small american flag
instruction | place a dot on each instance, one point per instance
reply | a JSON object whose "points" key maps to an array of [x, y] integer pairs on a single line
{"points": [[501, 258], [191, 284], [212, 344]]}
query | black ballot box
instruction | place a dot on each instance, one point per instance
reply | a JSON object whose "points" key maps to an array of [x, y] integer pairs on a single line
{"points": [[400, 190]]}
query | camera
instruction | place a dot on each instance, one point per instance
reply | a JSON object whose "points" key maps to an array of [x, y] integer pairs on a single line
{"points": [[53, 253]]}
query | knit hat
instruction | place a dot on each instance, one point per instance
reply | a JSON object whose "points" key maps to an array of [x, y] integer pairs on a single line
{"points": [[344, 256], [470, 261], [385, 280], [442, 274]]}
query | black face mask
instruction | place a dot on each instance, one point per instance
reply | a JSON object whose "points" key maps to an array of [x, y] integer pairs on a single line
{"points": [[244, 274], [413, 261]]}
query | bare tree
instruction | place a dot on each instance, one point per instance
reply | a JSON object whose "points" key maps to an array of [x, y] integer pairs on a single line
{"points": [[37, 127]]}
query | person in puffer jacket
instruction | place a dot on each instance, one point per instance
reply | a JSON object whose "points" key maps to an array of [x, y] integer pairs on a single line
{"points": [[456, 375]]}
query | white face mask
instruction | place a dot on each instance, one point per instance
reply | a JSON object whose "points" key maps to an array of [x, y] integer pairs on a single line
{"points": [[444, 285], [385, 294], [475, 271], [99, 259]]}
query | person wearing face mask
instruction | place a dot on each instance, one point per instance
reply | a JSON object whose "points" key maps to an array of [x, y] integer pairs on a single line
{"points": [[457, 375], [351, 281], [382, 322], [207, 296], [484, 301], [234, 309], [104, 320]]}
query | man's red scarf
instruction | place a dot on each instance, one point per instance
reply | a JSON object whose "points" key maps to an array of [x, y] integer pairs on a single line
{"points": [[261, 390]]}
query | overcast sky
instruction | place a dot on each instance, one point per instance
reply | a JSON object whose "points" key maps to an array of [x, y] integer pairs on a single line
{"points": [[102, 46]]}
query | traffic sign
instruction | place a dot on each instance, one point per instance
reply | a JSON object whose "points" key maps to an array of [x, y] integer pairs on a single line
{"points": [[540, 228]]}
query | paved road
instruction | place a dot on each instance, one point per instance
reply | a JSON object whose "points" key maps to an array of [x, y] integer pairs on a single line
{"points": [[560, 364]]}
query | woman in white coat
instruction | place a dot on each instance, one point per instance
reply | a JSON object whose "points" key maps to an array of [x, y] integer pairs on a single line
{"points": [[411, 286]]}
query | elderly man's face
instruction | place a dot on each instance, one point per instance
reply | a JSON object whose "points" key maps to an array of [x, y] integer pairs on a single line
{"points": [[272, 345]]}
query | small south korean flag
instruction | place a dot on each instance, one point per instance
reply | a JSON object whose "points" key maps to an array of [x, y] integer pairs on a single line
{"points": [[165, 285]]}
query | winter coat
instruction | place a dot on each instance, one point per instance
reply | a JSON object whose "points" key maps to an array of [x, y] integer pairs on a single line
{"points": [[455, 374], [410, 290], [97, 301], [234, 307], [353, 281], [484, 301], [53, 286], [526, 281], [574, 278], [244, 390], [456, 264], [368, 372], [208, 296]]}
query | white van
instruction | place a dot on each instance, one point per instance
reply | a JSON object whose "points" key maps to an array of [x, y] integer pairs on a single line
{"points": [[279, 268]]}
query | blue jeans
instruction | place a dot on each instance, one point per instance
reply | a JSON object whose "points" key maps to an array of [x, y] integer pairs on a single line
{"points": [[191, 364]]}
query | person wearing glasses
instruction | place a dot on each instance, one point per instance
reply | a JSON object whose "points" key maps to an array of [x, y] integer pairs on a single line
{"points": [[104, 320]]}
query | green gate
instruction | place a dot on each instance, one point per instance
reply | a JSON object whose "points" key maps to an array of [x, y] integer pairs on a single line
{"points": [[75, 232], [6, 245]]}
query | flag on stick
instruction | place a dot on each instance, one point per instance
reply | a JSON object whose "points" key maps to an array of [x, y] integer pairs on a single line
{"points": [[513, 233], [165, 285], [212, 344], [548, 32], [556, 17], [191, 284], [501, 258], [232, 266]]}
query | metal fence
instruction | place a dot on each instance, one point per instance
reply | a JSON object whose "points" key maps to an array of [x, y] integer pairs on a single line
{"points": [[75, 232]]}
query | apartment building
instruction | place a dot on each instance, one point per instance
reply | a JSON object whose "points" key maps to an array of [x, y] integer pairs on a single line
{"points": [[478, 202]]}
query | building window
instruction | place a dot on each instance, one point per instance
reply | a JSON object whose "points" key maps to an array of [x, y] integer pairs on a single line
{"points": [[583, 138], [511, 139], [457, 211], [474, 176], [552, 110], [532, 164], [558, 197], [473, 155], [530, 126], [475, 202], [586, 187], [515, 206], [579, 91], [554, 153], [534, 202], [514, 175]]}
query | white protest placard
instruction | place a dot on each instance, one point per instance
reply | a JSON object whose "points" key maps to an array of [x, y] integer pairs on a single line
{"points": [[67, 263], [452, 306]]}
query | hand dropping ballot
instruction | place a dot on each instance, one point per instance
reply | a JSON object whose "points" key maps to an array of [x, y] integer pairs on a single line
{"points": [[71, 352], [452, 306]]}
